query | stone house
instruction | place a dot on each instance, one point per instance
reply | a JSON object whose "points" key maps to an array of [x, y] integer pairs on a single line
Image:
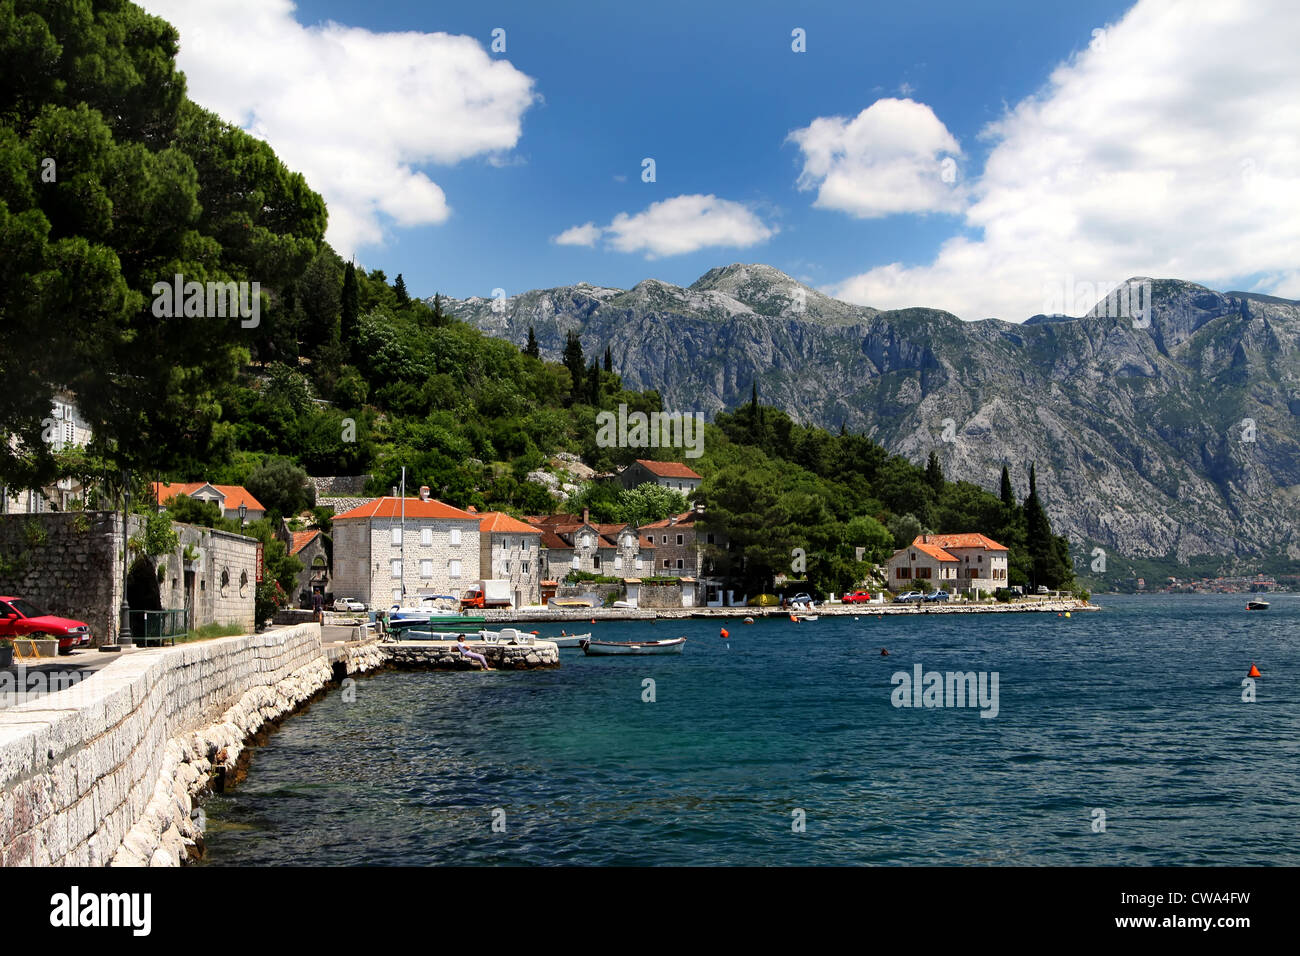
{"points": [[510, 550], [923, 562], [574, 543], [982, 561], [314, 578], [395, 550], [65, 428], [668, 474]]}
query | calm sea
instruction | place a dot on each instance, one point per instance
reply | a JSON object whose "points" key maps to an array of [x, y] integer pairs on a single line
{"points": [[782, 746]]}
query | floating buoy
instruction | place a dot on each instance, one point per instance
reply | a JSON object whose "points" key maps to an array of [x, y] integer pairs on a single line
{"points": [[593, 620], [884, 652], [724, 633], [749, 620], [1067, 613], [1254, 671], [793, 619]]}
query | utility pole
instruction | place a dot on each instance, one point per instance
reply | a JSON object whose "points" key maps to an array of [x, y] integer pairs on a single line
{"points": [[402, 539], [124, 638]]}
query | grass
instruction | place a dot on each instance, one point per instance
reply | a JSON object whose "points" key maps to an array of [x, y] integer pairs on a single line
{"points": [[205, 633]]}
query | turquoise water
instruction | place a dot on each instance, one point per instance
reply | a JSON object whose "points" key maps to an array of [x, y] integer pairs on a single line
{"points": [[1135, 710]]}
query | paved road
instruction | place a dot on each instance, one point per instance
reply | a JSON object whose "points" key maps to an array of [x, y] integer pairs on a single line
{"points": [[27, 680]]}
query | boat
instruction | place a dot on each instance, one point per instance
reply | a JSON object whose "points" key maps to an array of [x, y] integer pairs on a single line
{"points": [[807, 617], [609, 648], [567, 640], [436, 622], [1256, 605], [749, 620]]}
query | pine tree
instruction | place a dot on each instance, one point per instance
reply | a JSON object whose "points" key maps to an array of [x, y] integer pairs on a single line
{"points": [[531, 348], [400, 288], [439, 320], [609, 360], [593, 384], [349, 322]]}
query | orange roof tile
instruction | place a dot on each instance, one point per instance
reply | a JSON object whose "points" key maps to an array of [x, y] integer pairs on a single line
{"points": [[933, 550], [972, 540], [235, 495], [301, 539], [390, 507], [669, 469], [499, 521]]}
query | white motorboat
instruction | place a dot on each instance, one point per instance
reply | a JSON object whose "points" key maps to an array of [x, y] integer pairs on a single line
{"points": [[567, 640], [612, 648]]}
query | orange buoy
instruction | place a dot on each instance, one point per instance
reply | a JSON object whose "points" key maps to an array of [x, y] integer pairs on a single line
{"points": [[723, 632], [794, 619], [1254, 671], [593, 620]]}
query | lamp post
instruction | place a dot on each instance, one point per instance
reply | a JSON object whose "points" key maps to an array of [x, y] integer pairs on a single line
{"points": [[124, 638], [243, 515]]}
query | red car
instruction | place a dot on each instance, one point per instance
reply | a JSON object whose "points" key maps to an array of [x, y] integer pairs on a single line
{"points": [[857, 597], [19, 618]]}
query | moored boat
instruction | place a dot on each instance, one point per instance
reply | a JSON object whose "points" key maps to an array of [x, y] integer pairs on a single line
{"points": [[611, 648], [567, 640], [1256, 605]]}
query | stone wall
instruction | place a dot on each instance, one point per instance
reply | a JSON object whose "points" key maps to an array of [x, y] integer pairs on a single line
{"points": [[68, 563], [348, 486], [660, 595], [106, 771]]}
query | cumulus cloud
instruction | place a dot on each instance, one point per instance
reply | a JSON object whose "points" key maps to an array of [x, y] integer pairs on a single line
{"points": [[1168, 146], [357, 112], [675, 226], [584, 235], [893, 157]]}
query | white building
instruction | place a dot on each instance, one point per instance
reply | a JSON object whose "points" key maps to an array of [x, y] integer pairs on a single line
{"points": [[64, 428], [398, 550], [953, 562], [510, 550]]}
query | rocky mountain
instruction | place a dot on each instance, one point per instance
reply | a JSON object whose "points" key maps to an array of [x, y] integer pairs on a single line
{"points": [[1174, 434]]}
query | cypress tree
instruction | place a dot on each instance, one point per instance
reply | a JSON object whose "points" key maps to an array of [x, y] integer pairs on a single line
{"points": [[934, 472], [531, 348], [575, 363], [593, 383], [1008, 495], [349, 321], [609, 360], [439, 320]]}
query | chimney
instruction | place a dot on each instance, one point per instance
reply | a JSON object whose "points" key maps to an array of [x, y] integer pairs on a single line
{"points": [[586, 515], [472, 510], [424, 492]]}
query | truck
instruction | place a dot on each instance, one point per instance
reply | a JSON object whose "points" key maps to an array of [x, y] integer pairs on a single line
{"points": [[489, 593]]}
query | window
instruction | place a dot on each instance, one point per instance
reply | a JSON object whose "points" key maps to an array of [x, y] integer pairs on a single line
{"points": [[506, 568], [900, 573], [397, 536], [426, 567], [426, 537], [618, 562], [666, 565], [523, 544], [397, 567], [679, 539], [455, 535], [453, 568], [708, 538], [595, 561], [679, 564], [397, 595], [638, 562], [586, 541], [523, 566], [505, 544], [665, 540], [574, 563]]}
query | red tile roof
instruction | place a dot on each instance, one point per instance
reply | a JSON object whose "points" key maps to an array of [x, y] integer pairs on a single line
{"points": [[235, 495], [669, 469], [933, 550], [301, 539], [973, 540], [499, 521], [390, 507], [685, 518]]}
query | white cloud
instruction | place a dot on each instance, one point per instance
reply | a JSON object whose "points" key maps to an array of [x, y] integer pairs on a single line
{"points": [[1168, 147], [893, 157], [584, 235], [358, 113], [675, 226]]}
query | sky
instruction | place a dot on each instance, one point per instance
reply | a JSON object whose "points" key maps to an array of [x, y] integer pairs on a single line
{"points": [[1000, 159]]}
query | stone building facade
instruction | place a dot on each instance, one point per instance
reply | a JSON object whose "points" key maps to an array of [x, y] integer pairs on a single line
{"points": [[510, 550]]}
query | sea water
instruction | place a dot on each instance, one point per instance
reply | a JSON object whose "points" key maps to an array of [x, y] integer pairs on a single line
{"points": [[1121, 736]]}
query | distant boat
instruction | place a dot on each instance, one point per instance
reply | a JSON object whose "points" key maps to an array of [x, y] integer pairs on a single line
{"points": [[1256, 605], [568, 640], [607, 648], [806, 617]]}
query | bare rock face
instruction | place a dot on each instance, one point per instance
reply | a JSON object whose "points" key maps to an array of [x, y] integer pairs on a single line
{"points": [[1176, 434]]}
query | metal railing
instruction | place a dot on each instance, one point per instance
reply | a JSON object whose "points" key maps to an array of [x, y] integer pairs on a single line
{"points": [[159, 625]]}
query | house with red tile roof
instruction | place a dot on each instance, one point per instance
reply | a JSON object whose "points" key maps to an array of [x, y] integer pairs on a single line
{"points": [[228, 498], [669, 474], [395, 550], [511, 550], [576, 543], [314, 578], [951, 562]]}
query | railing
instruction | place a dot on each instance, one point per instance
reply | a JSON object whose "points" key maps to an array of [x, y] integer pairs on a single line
{"points": [[159, 625]]}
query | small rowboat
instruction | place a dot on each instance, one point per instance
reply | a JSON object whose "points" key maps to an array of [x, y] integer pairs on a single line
{"points": [[606, 648], [568, 640], [1256, 605]]}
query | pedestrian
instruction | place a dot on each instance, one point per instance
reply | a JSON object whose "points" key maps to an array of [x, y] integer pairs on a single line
{"points": [[466, 652]]}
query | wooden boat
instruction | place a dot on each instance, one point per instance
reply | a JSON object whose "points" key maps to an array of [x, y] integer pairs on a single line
{"points": [[608, 648], [567, 640], [1256, 605]]}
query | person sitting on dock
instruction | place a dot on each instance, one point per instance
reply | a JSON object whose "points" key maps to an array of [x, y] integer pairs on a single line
{"points": [[466, 652]]}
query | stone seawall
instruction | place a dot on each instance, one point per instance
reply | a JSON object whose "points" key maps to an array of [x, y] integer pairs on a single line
{"points": [[105, 772]]}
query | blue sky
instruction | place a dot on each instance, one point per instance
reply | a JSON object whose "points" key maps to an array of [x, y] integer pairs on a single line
{"points": [[713, 91]]}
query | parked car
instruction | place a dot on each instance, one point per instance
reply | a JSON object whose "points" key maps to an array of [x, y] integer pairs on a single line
{"points": [[20, 618], [938, 596], [909, 597], [858, 597], [349, 604], [1042, 589]]}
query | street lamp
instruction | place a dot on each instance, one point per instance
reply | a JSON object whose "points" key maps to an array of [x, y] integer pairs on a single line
{"points": [[243, 514], [124, 630]]}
